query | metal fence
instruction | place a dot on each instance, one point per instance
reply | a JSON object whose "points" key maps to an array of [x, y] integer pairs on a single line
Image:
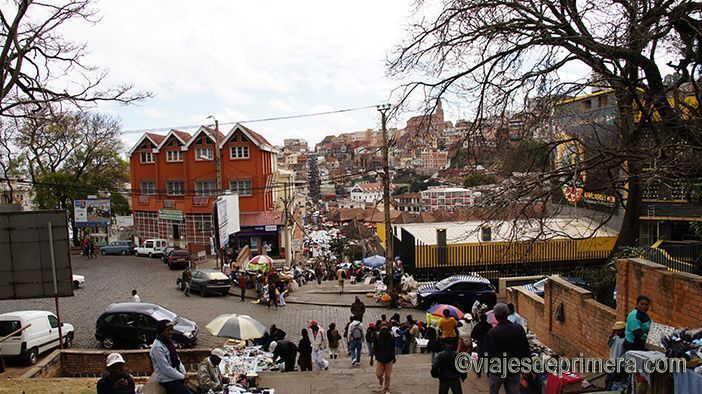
{"points": [[677, 257]]}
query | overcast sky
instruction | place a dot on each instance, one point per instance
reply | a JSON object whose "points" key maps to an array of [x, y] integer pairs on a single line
{"points": [[247, 60]]}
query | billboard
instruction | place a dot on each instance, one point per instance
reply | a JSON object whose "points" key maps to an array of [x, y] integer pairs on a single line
{"points": [[227, 217], [26, 255], [93, 212]]}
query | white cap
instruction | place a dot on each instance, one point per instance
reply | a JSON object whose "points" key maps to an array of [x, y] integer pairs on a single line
{"points": [[217, 352], [114, 358], [272, 346]]}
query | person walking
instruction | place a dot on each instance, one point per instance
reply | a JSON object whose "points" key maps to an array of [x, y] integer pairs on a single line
{"points": [[304, 347], [170, 372], [638, 323], [319, 273], [412, 335], [116, 380], [334, 338], [227, 269], [340, 277], [319, 344], [358, 309], [286, 351], [91, 248], [187, 279], [478, 335], [355, 339], [505, 342], [135, 296], [259, 284], [272, 293], [384, 354], [243, 284], [370, 338], [398, 336], [444, 369]]}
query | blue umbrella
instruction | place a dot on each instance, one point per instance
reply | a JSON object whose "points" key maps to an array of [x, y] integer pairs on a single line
{"points": [[374, 261]]}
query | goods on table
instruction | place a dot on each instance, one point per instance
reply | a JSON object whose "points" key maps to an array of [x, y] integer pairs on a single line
{"points": [[245, 360]]}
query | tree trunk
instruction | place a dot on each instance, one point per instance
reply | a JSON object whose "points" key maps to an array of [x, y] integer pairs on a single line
{"points": [[629, 233]]}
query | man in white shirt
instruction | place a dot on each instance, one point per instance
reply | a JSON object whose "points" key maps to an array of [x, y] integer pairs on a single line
{"points": [[135, 296]]}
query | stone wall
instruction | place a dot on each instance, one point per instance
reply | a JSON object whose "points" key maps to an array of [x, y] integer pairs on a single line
{"points": [[676, 299]]}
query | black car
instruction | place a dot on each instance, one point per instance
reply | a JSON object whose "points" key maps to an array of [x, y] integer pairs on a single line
{"points": [[460, 291], [133, 325], [207, 281]]}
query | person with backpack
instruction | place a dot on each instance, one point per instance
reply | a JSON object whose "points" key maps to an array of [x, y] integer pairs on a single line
{"points": [[355, 338], [383, 352], [444, 369], [333, 337]]}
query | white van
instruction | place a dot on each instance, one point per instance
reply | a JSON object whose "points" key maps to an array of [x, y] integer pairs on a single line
{"points": [[151, 247], [42, 335]]}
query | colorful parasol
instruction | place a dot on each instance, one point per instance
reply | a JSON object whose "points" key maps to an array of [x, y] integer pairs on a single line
{"points": [[438, 310]]}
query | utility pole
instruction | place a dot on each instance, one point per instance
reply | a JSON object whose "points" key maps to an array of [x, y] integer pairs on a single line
{"points": [[383, 109], [287, 201], [218, 171]]}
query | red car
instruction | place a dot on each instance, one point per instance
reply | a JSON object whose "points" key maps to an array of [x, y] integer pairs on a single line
{"points": [[178, 259]]}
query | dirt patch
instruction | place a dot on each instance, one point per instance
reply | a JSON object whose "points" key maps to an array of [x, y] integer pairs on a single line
{"points": [[47, 386]]}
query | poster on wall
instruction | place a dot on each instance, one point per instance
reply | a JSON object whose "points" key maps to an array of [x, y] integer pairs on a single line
{"points": [[93, 212]]}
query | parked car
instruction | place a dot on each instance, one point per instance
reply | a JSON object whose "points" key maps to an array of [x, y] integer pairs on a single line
{"points": [[178, 259], [207, 281], [78, 281], [460, 291], [539, 286], [151, 247], [133, 325], [118, 247], [164, 256], [40, 336]]}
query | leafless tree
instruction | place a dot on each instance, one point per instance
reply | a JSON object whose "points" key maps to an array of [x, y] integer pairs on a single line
{"points": [[498, 56], [40, 70]]}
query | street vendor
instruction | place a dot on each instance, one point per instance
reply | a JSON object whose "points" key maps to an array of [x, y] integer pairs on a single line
{"points": [[208, 374], [286, 351], [638, 323]]}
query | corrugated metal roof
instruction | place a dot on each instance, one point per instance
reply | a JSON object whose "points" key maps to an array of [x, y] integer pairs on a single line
{"points": [[469, 232]]}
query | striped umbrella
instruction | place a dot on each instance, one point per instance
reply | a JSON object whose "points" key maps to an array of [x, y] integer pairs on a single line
{"points": [[236, 326], [438, 310]]}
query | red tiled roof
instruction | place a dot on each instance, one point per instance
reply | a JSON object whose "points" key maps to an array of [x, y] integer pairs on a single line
{"points": [[264, 218], [408, 195], [211, 130], [156, 138], [183, 135], [258, 137]]}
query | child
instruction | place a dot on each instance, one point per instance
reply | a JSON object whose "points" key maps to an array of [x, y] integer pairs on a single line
{"points": [[333, 337]]}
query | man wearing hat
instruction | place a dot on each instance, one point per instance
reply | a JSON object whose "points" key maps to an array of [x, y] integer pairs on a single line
{"points": [[616, 350], [208, 374], [170, 372], [508, 341], [116, 380]]}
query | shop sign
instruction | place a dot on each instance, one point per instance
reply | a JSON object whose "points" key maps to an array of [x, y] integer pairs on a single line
{"points": [[600, 199], [170, 214], [271, 228]]}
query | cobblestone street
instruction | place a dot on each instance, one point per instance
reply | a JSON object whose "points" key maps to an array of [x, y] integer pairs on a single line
{"points": [[110, 279]]}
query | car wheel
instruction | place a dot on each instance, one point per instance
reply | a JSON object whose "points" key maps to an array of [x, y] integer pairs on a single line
{"points": [[102, 252], [203, 291], [76, 284], [68, 341], [124, 253], [32, 356], [170, 266], [108, 343]]}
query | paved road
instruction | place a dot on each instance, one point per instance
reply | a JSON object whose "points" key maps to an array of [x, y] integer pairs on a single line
{"points": [[110, 279]]}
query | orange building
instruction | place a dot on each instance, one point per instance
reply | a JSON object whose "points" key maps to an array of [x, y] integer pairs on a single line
{"points": [[174, 183]]}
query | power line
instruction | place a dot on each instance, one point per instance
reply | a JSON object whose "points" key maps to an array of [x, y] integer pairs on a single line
{"points": [[137, 131]]}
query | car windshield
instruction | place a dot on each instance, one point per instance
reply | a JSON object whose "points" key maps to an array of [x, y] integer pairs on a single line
{"points": [[161, 313], [8, 326], [444, 283]]}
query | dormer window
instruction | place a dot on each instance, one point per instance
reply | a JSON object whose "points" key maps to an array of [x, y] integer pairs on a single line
{"points": [[239, 152], [174, 156], [203, 154]]}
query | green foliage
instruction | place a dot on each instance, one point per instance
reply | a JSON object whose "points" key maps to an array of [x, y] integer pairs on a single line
{"points": [[479, 179], [120, 205], [526, 156]]}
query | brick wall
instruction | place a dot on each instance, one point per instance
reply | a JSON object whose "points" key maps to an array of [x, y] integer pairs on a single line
{"points": [[91, 363], [676, 299]]}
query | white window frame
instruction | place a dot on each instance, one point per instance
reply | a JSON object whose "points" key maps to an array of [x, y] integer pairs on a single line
{"points": [[150, 155], [170, 191], [170, 156], [209, 189], [238, 188], [199, 154], [237, 152], [147, 191]]}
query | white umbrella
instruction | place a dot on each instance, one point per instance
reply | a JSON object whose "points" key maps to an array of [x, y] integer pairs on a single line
{"points": [[236, 326]]}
